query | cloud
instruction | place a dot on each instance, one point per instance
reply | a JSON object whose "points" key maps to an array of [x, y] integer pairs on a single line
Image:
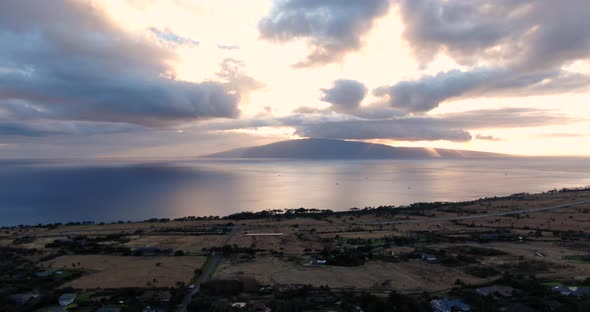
{"points": [[403, 130], [49, 128], [228, 47], [332, 28], [454, 127], [344, 95], [312, 110], [8, 128], [487, 138], [236, 79], [499, 118], [142, 142], [450, 126], [167, 37], [512, 48], [429, 92], [531, 35], [69, 61]]}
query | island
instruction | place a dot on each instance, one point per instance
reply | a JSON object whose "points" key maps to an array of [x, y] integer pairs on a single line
{"points": [[315, 148]]}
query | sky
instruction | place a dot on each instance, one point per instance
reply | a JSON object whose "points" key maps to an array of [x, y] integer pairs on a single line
{"points": [[181, 78]]}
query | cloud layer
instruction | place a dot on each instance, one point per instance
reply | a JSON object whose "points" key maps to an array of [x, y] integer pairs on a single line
{"points": [[168, 37]]}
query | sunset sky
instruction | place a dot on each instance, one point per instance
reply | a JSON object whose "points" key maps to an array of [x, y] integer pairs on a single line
{"points": [[181, 78]]}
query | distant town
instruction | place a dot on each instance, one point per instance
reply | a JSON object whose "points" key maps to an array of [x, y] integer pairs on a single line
{"points": [[524, 252]]}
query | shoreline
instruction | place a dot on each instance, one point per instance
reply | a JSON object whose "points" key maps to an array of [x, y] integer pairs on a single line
{"points": [[297, 212]]}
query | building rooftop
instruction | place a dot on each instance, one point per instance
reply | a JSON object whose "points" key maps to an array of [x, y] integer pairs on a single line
{"points": [[502, 291], [448, 305]]}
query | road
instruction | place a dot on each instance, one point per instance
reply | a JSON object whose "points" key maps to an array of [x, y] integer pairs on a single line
{"points": [[207, 271]]}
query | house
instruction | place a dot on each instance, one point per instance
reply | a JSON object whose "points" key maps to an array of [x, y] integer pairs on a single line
{"points": [[563, 290], [66, 299], [46, 273], [496, 291], [447, 305], [239, 305], [571, 291], [581, 292], [429, 258], [23, 298]]}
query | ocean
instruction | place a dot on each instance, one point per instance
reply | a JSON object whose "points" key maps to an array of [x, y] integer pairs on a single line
{"points": [[33, 192]]}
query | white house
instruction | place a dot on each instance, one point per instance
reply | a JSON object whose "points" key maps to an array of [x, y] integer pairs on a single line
{"points": [[66, 299]]}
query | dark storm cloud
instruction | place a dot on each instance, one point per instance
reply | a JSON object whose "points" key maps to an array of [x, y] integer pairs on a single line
{"points": [[531, 34], [332, 27], [70, 62], [429, 92], [344, 94], [170, 38]]}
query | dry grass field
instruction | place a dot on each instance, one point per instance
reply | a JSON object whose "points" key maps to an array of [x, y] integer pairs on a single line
{"points": [[5, 242], [119, 271], [413, 276], [186, 243], [286, 243]]}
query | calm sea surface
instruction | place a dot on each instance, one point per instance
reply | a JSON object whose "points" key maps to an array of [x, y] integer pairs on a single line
{"points": [[60, 191]]}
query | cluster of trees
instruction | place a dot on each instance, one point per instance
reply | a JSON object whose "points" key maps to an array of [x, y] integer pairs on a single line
{"points": [[86, 245], [280, 213], [216, 297]]}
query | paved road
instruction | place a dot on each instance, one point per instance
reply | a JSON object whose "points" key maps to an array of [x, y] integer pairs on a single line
{"points": [[207, 271]]}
